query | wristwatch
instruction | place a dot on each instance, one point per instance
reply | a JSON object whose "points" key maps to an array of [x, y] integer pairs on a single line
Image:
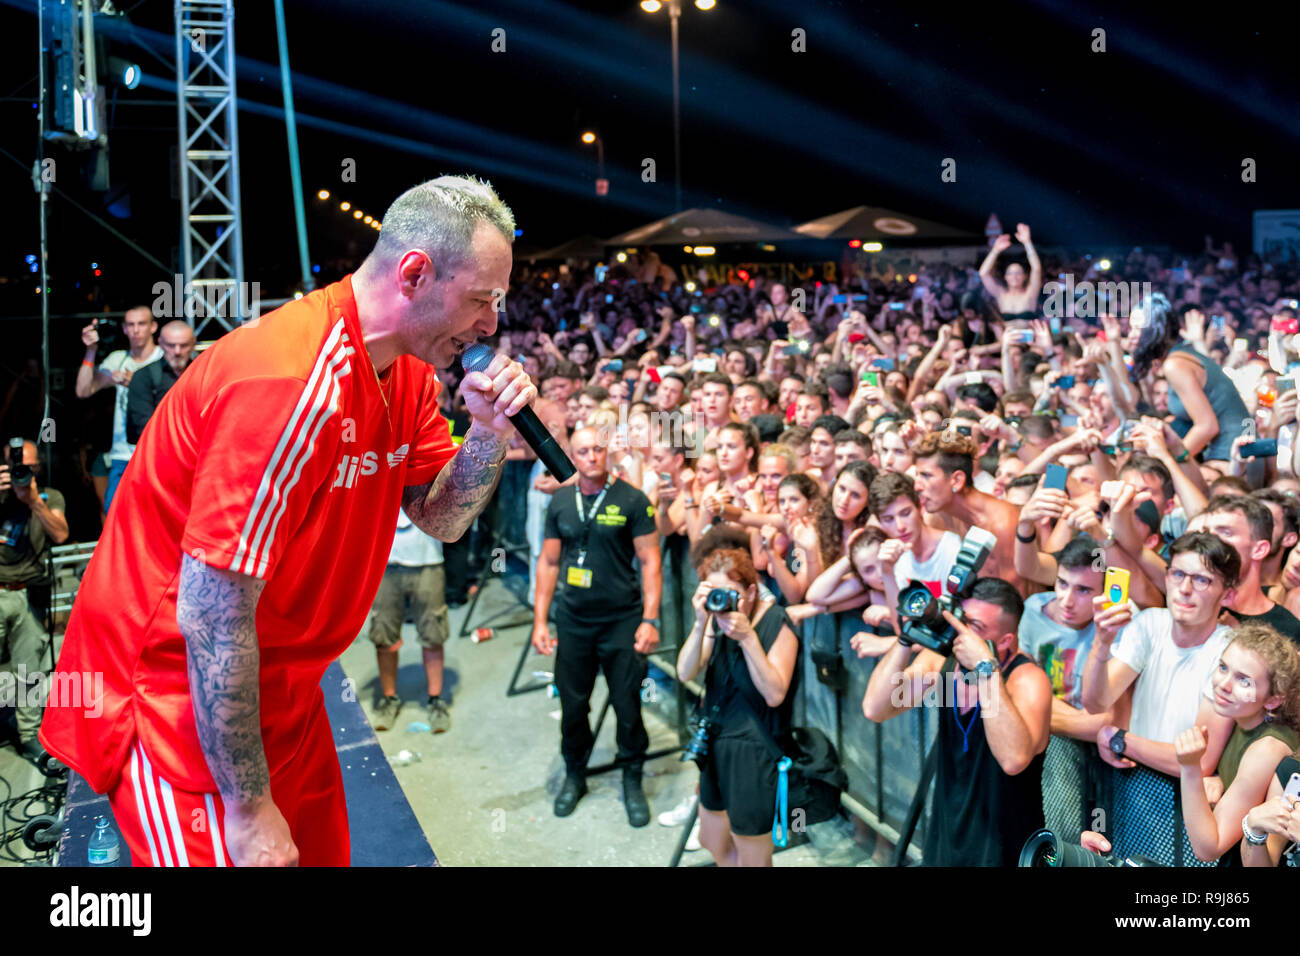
{"points": [[652, 621], [1117, 743], [985, 668]]}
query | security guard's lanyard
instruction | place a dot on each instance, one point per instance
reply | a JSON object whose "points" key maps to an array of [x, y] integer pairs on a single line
{"points": [[584, 520]]}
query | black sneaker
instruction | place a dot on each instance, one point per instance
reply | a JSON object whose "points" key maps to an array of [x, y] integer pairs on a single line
{"points": [[573, 790], [439, 716], [638, 810], [385, 713], [31, 749]]}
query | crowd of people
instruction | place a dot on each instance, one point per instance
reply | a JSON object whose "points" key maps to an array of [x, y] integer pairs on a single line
{"points": [[1124, 671]]}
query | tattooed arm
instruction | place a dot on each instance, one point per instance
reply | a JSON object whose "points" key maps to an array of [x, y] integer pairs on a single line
{"points": [[216, 610], [448, 505]]}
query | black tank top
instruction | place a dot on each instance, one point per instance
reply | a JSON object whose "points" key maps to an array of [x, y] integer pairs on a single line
{"points": [[980, 816]]}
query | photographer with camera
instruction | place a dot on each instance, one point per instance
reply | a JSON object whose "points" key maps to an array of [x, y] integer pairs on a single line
{"points": [[31, 522], [750, 673], [995, 719], [117, 369]]}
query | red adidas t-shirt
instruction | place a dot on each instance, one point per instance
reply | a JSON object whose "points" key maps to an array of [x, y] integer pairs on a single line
{"points": [[280, 455]]}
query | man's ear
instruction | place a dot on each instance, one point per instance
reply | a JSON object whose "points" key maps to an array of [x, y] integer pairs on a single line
{"points": [[958, 480], [1259, 550], [1288, 540], [415, 267]]}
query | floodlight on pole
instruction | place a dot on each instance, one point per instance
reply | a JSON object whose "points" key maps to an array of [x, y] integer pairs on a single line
{"points": [[675, 14]]}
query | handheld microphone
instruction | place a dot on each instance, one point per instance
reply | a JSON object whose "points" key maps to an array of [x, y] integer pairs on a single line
{"points": [[476, 359]]}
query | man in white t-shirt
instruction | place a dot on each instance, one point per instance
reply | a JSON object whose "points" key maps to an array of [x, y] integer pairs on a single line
{"points": [[915, 550], [415, 578], [1167, 656], [117, 368]]}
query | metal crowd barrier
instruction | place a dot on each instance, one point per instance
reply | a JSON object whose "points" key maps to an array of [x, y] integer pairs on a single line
{"points": [[69, 557]]}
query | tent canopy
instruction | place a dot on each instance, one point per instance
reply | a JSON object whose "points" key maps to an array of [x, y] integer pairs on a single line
{"points": [[872, 223], [583, 247], [702, 227]]}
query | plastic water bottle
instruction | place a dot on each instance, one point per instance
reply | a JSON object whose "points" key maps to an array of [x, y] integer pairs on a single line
{"points": [[103, 849]]}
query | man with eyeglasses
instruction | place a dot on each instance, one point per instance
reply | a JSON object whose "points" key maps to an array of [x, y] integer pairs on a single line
{"points": [[1166, 654]]}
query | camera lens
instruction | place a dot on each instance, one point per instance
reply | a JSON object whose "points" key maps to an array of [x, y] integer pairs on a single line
{"points": [[915, 602]]}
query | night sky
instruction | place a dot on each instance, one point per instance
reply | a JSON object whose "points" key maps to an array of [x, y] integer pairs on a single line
{"points": [[1141, 144]]}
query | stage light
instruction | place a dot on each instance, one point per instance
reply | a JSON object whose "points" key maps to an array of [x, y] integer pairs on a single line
{"points": [[705, 250], [688, 249], [872, 246], [767, 247], [690, 287], [97, 272], [323, 194], [621, 257], [651, 6], [705, 4], [1103, 265], [367, 219], [124, 73], [345, 206], [744, 274], [356, 214], [855, 243], [911, 277], [589, 138], [297, 295]]}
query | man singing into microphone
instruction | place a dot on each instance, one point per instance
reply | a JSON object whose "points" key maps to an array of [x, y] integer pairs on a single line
{"points": [[252, 529]]}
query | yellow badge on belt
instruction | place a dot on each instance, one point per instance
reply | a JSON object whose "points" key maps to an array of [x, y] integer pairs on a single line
{"points": [[578, 577]]}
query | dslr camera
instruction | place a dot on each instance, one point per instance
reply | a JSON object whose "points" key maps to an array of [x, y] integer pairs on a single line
{"points": [[922, 614], [1045, 850], [702, 726], [722, 600], [20, 475]]}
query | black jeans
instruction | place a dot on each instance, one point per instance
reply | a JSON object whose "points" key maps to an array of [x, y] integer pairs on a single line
{"points": [[583, 650]]}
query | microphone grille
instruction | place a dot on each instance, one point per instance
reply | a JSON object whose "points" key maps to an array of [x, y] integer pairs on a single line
{"points": [[476, 358]]}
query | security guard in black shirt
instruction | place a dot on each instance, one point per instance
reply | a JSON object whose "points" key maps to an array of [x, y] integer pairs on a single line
{"points": [[605, 619]]}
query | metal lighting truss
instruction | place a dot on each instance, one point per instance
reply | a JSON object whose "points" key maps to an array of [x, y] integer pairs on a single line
{"points": [[212, 246]]}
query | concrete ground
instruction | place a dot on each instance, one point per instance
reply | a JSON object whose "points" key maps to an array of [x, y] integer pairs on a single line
{"points": [[483, 791]]}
